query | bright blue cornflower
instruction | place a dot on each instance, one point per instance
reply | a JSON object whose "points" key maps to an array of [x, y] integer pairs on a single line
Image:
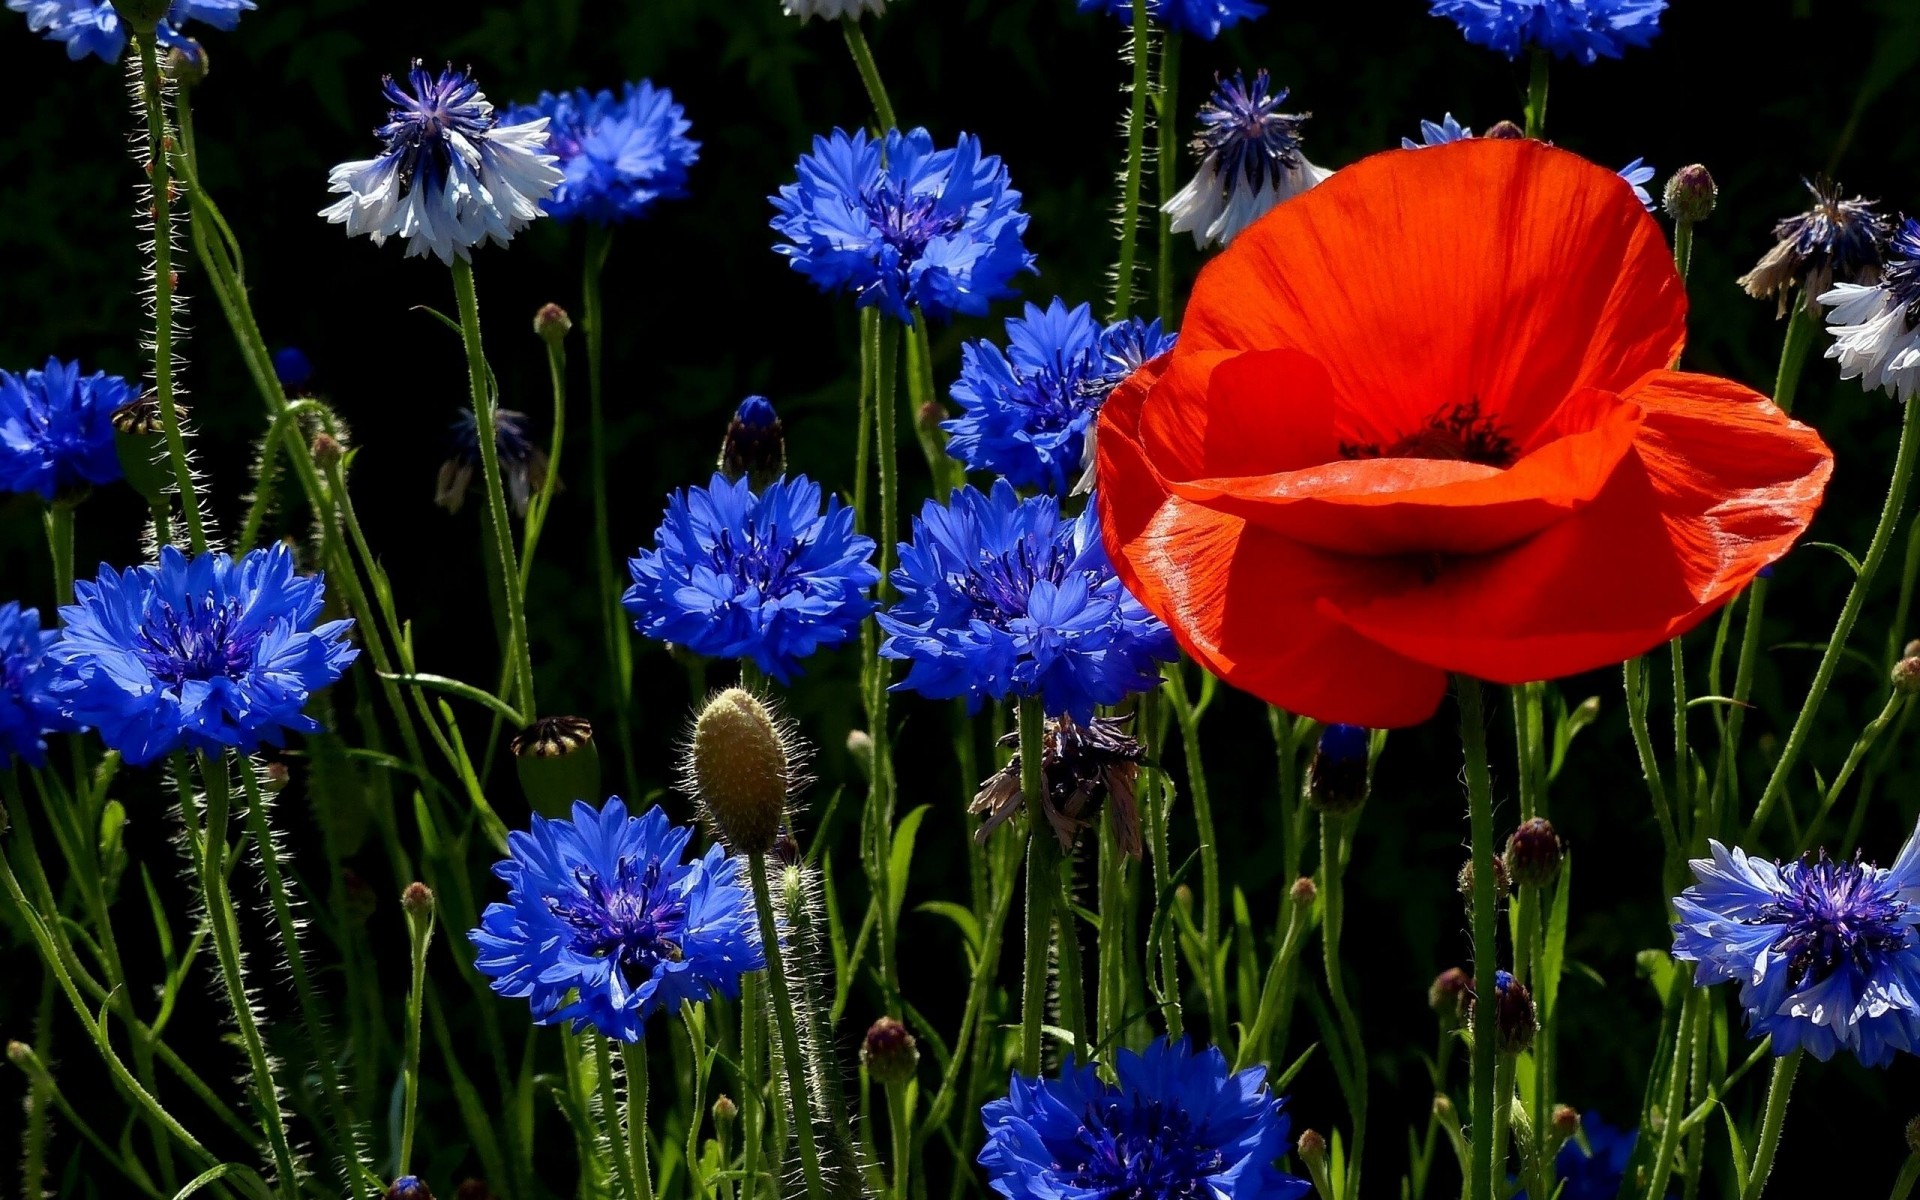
{"points": [[1206, 19], [28, 712], [1584, 30], [1177, 1126], [449, 175], [1596, 1170], [618, 154], [56, 429], [1825, 952], [607, 921], [1637, 173], [772, 577], [1000, 596], [904, 226], [204, 654], [93, 27], [1026, 410]]}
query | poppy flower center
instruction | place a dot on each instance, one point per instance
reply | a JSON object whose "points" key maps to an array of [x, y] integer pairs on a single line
{"points": [[1455, 433]]}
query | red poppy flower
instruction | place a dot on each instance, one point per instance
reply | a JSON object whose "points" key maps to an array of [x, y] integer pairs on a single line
{"points": [[1420, 421]]}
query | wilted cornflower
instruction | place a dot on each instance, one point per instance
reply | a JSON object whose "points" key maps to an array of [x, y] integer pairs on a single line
{"points": [[1637, 173], [617, 154], [56, 429], [755, 447], [1583, 30], [94, 27], [1873, 327], [523, 464], [771, 576], [204, 654], [1027, 410], [904, 226], [1825, 952], [28, 712], [1595, 1170], [607, 922], [1125, 347], [1206, 19], [832, 10], [1084, 766], [450, 176], [1250, 160], [1000, 596], [1178, 1125], [1836, 241]]}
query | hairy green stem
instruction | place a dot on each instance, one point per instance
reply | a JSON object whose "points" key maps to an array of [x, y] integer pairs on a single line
{"points": [[869, 71], [1333, 870], [1473, 741], [419, 937], [1165, 158], [1040, 888], [786, 1022], [613, 628], [1140, 47], [1779, 1090]]}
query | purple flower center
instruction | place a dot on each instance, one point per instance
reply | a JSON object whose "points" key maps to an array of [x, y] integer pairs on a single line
{"points": [[1142, 1151], [765, 565], [998, 585], [423, 121], [203, 642], [1834, 915], [634, 920], [907, 223], [1243, 125]]}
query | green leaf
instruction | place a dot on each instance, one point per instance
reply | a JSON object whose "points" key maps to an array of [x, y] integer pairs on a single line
{"points": [[465, 691], [900, 861], [234, 1171], [962, 917], [1298, 1065], [1553, 954], [1845, 555]]}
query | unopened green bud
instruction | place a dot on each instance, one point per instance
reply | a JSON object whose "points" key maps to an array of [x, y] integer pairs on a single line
{"points": [[557, 763], [552, 323], [738, 767], [417, 899], [1690, 194]]}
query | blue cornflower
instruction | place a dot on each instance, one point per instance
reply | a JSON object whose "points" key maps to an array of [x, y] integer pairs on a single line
{"points": [[1876, 329], [607, 922], [617, 154], [1836, 241], [204, 654], [56, 429], [93, 27], [292, 368], [772, 577], [1636, 173], [755, 445], [904, 226], [28, 712], [1585, 30], [1250, 160], [450, 176], [1002, 596], [1201, 18], [1177, 1126], [1027, 410], [1825, 952], [523, 464]]}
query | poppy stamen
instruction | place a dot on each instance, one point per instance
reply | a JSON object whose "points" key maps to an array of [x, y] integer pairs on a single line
{"points": [[1454, 433]]}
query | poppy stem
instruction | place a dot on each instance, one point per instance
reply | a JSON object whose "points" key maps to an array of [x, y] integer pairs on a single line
{"points": [[1473, 742], [783, 1013], [1140, 49], [1166, 109], [1040, 888], [1778, 1093], [1883, 532]]}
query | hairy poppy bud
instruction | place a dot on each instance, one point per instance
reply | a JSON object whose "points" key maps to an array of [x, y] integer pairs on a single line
{"points": [[889, 1052], [1533, 853], [1913, 1135], [1337, 775], [1690, 194], [552, 324], [557, 763], [738, 768]]}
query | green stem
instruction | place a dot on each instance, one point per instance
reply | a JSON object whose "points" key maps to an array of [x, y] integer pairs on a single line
{"points": [[226, 945], [1188, 716], [1473, 741], [633, 1111], [59, 522], [789, 1029], [1896, 702], [869, 71], [159, 162], [900, 1129], [1333, 869], [1140, 46], [1778, 1092], [1682, 758], [1843, 628], [753, 1080], [1504, 1068], [1040, 858], [419, 936], [345, 1133], [537, 511], [1253, 1047], [1909, 1175], [1158, 799], [1692, 1009], [610, 1116], [1537, 95], [1682, 247], [612, 621], [880, 788], [1167, 155], [479, 382]]}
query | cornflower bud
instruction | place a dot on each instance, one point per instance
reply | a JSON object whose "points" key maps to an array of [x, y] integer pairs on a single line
{"points": [[1690, 194], [1533, 853], [890, 1053]]}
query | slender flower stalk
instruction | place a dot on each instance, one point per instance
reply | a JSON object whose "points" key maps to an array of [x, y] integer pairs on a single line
{"points": [[1139, 49], [1167, 125], [613, 624], [869, 70], [1040, 860], [1473, 739], [160, 151], [784, 1020], [478, 379], [1883, 534], [1537, 94], [633, 1114], [418, 904], [1335, 844], [1779, 1090]]}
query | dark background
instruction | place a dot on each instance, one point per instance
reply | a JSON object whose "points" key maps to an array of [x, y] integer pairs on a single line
{"points": [[701, 312]]}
